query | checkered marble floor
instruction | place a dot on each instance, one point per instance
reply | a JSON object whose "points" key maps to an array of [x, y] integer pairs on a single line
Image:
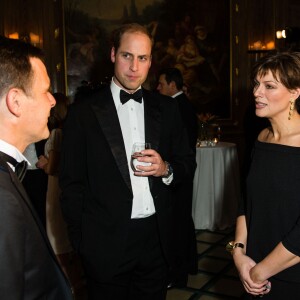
{"points": [[217, 277]]}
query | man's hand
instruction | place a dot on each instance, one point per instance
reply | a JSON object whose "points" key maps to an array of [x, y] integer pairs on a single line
{"points": [[42, 162], [157, 168]]}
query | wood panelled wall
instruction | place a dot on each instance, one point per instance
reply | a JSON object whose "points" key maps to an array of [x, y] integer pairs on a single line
{"points": [[44, 19], [253, 20]]}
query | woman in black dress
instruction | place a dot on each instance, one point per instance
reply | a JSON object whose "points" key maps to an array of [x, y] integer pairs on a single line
{"points": [[266, 249]]}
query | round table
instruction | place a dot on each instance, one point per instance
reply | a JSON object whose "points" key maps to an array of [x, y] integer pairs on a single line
{"points": [[216, 190]]}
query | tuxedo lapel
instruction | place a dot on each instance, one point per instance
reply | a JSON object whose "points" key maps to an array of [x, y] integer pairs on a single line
{"points": [[152, 119], [107, 117], [152, 123], [24, 197], [16, 182], [20, 189]]}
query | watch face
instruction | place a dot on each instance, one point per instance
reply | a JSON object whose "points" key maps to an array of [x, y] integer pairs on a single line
{"points": [[169, 170]]}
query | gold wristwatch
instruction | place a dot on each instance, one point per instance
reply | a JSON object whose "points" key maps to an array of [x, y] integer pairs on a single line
{"points": [[232, 245]]}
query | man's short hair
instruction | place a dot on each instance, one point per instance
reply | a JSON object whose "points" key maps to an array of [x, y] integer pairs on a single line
{"points": [[173, 74], [15, 65], [127, 28]]}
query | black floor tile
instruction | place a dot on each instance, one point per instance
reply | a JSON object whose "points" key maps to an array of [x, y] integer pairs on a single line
{"points": [[217, 277]]}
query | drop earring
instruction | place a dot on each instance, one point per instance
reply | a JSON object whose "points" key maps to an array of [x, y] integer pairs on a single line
{"points": [[292, 106]]}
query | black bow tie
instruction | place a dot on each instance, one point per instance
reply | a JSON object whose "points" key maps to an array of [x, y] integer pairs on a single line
{"points": [[20, 167], [137, 96]]}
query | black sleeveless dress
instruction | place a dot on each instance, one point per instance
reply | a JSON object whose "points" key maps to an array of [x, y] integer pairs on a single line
{"points": [[272, 210]]}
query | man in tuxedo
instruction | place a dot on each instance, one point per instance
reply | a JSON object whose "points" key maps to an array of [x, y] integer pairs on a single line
{"points": [[120, 220], [170, 83], [28, 268]]}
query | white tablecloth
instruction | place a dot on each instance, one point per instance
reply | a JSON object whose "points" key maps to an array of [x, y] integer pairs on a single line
{"points": [[216, 189]]}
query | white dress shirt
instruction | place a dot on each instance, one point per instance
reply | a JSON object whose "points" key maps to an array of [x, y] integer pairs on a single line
{"points": [[30, 154], [177, 94], [131, 118]]}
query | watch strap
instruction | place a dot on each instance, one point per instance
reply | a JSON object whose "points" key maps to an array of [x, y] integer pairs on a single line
{"points": [[169, 170]]}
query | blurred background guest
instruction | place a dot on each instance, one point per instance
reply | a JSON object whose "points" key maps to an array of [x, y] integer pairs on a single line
{"points": [[171, 83], [55, 224], [185, 252]]}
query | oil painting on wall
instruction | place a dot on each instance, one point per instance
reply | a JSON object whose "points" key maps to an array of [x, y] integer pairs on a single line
{"points": [[193, 36]]}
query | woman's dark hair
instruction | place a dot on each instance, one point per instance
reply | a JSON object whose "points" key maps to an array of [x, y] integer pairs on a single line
{"points": [[58, 113], [285, 68]]}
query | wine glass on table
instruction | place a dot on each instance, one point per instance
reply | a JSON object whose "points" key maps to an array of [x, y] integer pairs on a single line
{"points": [[137, 148]]}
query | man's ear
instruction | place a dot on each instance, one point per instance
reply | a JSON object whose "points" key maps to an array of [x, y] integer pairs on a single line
{"points": [[13, 101], [113, 54]]}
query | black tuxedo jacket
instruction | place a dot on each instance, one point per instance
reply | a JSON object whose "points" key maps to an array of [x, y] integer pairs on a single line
{"points": [[189, 118], [35, 183], [95, 180], [183, 233], [28, 267]]}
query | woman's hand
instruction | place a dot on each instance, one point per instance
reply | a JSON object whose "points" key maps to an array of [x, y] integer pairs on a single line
{"points": [[244, 264], [42, 162], [257, 276]]}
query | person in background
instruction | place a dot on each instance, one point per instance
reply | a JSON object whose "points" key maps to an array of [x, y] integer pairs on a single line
{"points": [[56, 226], [266, 249], [170, 83], [119, 220], [28, 268]]}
